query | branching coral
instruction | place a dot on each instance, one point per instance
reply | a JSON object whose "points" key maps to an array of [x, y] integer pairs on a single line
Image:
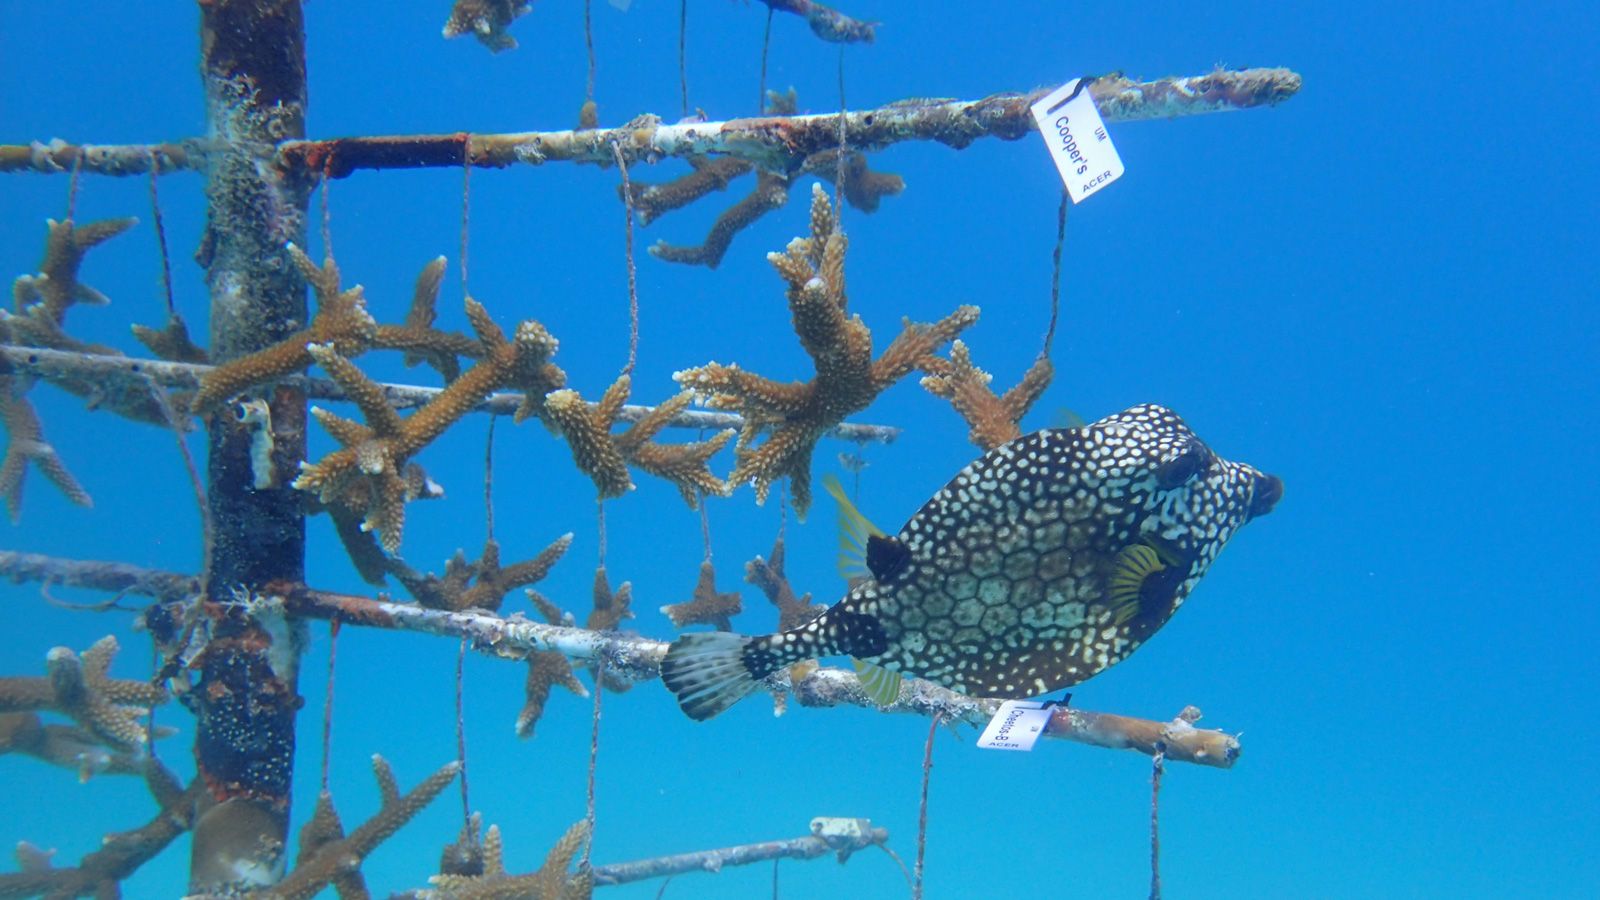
{"points": [[67, 746], [771, 192], [768, 575], [862, 188], [341, 321], [419, 339], [546, 668], [610, 608], [328, 856], [486, 20], [57, 287], [120, 854], [605, 457], [39, 315], [367, 473], [172, 342], [651, 201], [848, 379], [994, 420], [489, 581], [108, 708], [553, 880], [707, 607], [25, 444]]}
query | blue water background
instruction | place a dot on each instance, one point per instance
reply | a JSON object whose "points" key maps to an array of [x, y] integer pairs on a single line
{"points": [[1382, 291]]}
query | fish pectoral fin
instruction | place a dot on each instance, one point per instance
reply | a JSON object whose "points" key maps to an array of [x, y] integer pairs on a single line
{"points": [[855, 532], [886, 557], [882, 685], [1134, 564]]}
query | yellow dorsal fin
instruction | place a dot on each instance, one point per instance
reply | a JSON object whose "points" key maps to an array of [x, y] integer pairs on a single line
{"points": [[882, 685], [1133, 565], [854, 530]]}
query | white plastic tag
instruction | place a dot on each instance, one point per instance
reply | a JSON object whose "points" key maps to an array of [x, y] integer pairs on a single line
{"points": [[1016, 726], [1076, 136]]}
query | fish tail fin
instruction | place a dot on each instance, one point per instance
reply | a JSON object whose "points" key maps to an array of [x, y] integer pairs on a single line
{"points": [[707, 672]]}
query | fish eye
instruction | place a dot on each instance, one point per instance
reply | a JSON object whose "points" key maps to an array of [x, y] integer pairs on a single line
{"points": [[1192, 460]]}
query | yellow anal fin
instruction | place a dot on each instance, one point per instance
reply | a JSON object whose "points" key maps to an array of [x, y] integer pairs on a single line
{"points": [[882, 685], [854, 532], [1133, 565]]}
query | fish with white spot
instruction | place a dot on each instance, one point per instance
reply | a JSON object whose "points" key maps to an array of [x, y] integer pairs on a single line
{"points": [[1041, 564]]}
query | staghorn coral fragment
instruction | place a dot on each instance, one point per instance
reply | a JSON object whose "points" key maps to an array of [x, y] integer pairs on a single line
{"points": [[993, 420], [341, 321], [768, 575], [335, 858], [57, 287], [482, 583], [172, 342], [707, 606], [610, 609], [546, 668], [100, 873], [848, 379], [109, 709], [66, 746], [420, 341], [25, 444], [465, 856], [652, 201], [486, 20], [771, 192], [553, 881], [863, 188], [605, 457], [369, 473]]}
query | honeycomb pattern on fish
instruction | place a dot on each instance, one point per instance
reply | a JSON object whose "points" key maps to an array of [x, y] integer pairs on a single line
{"points": [[1014, 579]]}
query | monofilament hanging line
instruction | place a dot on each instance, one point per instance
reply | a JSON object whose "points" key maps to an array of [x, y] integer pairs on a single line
{"points": [[161, 238], [72, 187], [633, 275], [594, 750], [1155, 840], [466, 205], [588, 40], [461, 733], [327, 701], [922, 815], [1055, 277], [683, 69], [838, 183], [488, 479], [766, 41], [326, 216]]}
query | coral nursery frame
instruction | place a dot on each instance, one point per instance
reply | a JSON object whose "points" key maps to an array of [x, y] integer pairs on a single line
{"points": [[230, 635]]}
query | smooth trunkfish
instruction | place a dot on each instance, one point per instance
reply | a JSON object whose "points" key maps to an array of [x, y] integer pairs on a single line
{"points": [[1040, 565]]}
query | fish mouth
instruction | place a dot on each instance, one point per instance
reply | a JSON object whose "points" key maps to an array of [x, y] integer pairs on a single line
{"points": [[1269, 490]]}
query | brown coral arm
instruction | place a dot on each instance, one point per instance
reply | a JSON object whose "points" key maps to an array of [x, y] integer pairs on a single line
{"points": [[993, 420], [25, 444], [707, 606], [771, 192], [341, 320], [336, 859], [57, 285], [652, 201]]}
